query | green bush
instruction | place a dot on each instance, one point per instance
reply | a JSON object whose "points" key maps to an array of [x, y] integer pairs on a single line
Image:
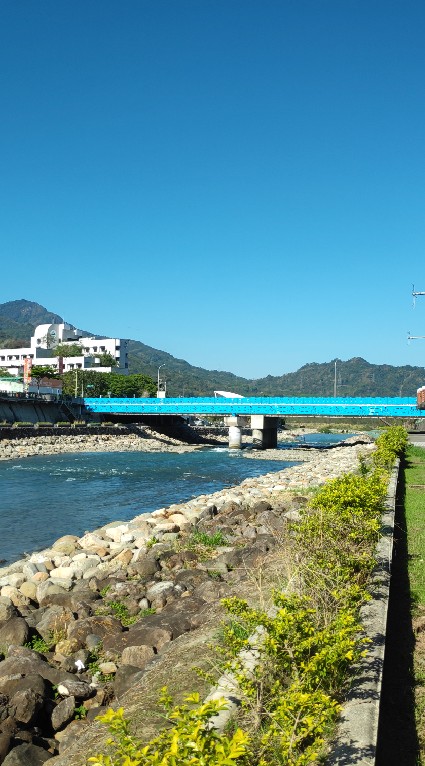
{"points": [[23, 424], [190, 741], [390, 444], [62, 423]]}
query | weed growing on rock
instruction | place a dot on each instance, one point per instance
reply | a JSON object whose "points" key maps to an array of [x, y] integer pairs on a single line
{"points": [[40, 645]]}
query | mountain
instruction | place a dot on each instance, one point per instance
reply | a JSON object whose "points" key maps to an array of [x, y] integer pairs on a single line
{"points": [[18, 320], [354, 377]]}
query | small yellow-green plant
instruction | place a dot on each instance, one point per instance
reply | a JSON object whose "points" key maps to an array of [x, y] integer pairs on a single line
{"points": [[39, 644], [190, 741]]}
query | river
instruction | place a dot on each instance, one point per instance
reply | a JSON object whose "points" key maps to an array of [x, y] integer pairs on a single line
{"points": [[45, 497]]}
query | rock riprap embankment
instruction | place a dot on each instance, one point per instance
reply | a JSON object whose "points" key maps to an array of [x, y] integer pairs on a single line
{"points": [[81, 622], [145, 441]]}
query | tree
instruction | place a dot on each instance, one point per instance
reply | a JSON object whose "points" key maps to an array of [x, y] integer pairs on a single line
{"points": [[107, 360], [73, 349], [38, 372], [103, 383]]}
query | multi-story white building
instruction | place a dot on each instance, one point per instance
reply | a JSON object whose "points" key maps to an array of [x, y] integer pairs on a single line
{"points": [[48, 336]]}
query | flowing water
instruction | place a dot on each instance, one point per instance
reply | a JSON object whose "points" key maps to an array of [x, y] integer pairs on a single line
{"points": [[43, 498]]}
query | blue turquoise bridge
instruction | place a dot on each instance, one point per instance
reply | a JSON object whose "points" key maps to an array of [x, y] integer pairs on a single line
{"points": [[263, 411], [403, 407]]}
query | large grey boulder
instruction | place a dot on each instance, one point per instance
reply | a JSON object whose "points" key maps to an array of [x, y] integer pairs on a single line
{"points": [[98, 625], [27, 755], [54, 622], [78, 689], [63, 713], [15, 631], [126, 677], [138, 656], [13, 684], [145, 567], [154, 637], [26, 705]]}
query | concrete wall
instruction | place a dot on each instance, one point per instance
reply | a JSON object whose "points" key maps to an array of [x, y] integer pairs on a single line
{"points": [[13, 410]]}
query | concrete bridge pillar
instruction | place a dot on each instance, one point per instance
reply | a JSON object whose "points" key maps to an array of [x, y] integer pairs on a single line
{"points": [[264, 431], [234, 424]]}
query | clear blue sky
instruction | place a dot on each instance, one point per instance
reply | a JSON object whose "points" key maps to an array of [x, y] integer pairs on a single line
{"points": [[237, 182]]}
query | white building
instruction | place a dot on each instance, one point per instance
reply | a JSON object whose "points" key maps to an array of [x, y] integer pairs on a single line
{"points": [[48, 336]]}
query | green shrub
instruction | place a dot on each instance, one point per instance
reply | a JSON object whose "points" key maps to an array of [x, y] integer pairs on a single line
{"points": [[38, 644], [62, 423], [44, 424], [190, 741], [23, 424], [390, 444], [215, 540]]}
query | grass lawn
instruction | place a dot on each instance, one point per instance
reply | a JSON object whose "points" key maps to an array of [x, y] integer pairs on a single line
{"points": [[402, 715], [415, 527]]}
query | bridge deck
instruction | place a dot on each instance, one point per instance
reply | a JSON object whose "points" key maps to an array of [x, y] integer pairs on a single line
{"points": [[404, 407]]}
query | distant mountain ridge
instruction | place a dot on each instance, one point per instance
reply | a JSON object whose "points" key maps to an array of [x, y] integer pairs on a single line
{"points": [[355, 377]]}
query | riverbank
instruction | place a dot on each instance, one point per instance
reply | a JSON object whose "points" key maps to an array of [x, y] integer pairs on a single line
{"points": [[20, 444], [141, 440], [126, 608]]}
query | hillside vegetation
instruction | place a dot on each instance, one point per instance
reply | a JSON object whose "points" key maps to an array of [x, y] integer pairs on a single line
{"points": [[355, 377]]}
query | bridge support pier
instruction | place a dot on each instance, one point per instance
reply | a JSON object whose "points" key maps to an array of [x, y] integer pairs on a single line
{"points": [[234, 424], [264, 431]]}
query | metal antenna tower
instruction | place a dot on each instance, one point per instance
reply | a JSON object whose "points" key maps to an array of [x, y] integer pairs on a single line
{"points": [[415, 294]]}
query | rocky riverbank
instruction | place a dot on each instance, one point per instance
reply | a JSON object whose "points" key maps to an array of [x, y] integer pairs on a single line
{"points": [[19, 443], [144, 440], [95, 618]]}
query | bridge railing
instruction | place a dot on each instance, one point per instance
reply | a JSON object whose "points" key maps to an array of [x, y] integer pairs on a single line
{"points": [[319, 406]]}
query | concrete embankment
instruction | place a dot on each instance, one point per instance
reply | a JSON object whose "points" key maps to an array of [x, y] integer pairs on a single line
{"points": [[29, 410], [130, 607]]}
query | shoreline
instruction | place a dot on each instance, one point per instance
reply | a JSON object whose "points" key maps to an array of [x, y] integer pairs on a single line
{"points": [[314, 468], [143, 440]]}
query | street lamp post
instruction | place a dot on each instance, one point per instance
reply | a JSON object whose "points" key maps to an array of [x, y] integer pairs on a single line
{"points": [[160, 392]]}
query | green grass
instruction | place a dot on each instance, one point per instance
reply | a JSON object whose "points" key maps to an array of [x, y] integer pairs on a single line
{"points": [[414, 505], [415, 520]]}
